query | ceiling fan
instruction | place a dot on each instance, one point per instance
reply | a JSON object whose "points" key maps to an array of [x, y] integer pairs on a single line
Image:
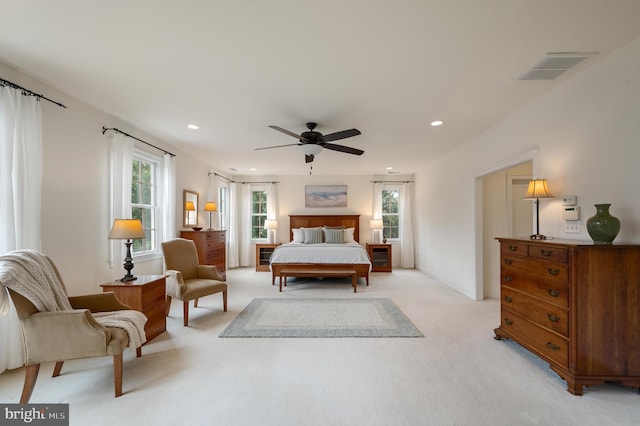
{"points": [[312, 142]]}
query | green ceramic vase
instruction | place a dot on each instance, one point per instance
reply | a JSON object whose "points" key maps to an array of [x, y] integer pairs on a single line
{"points": [[603, 228]]}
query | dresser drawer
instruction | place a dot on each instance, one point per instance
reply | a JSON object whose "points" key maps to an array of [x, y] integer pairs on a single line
{"points": [[554, 254], [536, 268], [514, 249], [216, 237], [544, 314], [546, 343], [549, 291]]}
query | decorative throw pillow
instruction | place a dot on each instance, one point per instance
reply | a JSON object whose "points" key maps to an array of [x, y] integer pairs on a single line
{"points": [[298, 236], [312, 235], [348, 235], [333, 235]]}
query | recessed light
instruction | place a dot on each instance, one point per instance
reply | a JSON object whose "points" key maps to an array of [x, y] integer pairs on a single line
{"points": [[389, 168], [193, 126], [253, 169], [437, 123]]}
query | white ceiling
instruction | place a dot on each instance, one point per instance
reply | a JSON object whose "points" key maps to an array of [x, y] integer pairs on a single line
{"points": [[385, 67]]}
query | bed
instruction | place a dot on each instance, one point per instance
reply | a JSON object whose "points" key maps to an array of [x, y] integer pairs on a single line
{"points": [[327, 257]]}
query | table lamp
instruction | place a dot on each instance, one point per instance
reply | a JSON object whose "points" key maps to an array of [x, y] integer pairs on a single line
{"points": [[537, 189], [271, 226], [210, 206], [127, 229], [376, 226]]}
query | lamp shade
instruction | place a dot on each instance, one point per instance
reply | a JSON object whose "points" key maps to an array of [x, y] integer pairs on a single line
{"points": [[210, 206], [376, 224], [189, 206], [270, 224], [537, 189], [311, 148], [124, 229]]}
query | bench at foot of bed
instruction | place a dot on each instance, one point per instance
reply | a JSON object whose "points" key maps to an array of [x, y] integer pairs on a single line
{"points": [[320, 273]]}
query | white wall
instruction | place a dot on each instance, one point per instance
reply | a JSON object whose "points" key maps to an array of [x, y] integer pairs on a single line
{"points": [[585, 135], [75, 201]]}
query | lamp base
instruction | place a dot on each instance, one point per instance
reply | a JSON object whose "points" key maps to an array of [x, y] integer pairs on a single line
{"points": [[539, 237], [128, 278]]}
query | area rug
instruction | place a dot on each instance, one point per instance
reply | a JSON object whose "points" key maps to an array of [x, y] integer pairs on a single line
{"points": [[327, 317]]}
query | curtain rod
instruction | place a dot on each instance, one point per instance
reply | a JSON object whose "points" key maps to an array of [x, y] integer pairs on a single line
{"points": [[27, 92], [393, 181], [104, 129], [231, 180]]}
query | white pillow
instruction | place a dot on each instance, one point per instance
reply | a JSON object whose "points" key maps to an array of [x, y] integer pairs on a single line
{"points": [[348, 235], [298, 235]]}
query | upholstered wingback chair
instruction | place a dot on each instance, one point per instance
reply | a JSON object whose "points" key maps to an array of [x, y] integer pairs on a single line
{"points": [[66, 334], [188, 280]]}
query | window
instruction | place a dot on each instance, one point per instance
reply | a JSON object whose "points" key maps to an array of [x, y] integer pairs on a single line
{"points": [[258, 213], [223, 212], [143, 202], [391, 213]]}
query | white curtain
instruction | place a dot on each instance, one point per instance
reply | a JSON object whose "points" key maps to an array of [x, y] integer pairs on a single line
{"points": [[20, 197], [121, 167], [244, 220], [407, 252], [376, 208], [168, 198], [272, 207], [233, 257]]}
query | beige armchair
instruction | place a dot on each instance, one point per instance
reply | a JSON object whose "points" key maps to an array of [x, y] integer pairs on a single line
{"points": [[66, 334], [187, 279]]}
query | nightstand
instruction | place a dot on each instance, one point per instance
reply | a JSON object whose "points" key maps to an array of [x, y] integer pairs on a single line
{"points": [[146, 294], [380, 255], [263, 255]]}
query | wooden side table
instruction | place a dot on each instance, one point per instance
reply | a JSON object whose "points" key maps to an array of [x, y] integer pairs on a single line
{"points": [[146, 294], [263, 256], [380, 255]]}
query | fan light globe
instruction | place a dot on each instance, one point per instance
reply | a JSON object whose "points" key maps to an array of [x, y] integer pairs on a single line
{"points": [[311, 149]]}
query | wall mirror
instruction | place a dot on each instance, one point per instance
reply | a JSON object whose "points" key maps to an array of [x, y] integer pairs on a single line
{"points": [[190, 208]]}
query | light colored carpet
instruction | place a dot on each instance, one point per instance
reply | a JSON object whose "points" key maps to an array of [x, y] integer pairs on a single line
{"points": [[325, 317]]}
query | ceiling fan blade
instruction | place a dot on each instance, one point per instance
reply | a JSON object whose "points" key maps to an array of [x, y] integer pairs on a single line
{"points": [[341, 135], [286, 132], [277, 146], [343, 148], [308, 158]]}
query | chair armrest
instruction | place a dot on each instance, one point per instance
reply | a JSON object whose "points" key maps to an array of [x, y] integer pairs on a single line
{"points": [[100, 302], [62, 335], [209, 272], [175, 283]]}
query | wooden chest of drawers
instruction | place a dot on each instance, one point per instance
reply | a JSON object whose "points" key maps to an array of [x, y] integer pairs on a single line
{"points": [[211, 246], [576, 305]]}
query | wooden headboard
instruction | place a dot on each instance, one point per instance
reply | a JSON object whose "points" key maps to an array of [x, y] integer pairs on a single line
{"points": [[312, 221]]}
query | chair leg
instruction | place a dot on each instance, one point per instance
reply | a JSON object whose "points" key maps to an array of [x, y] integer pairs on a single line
{"points": [[185, 313], [29, 382], [117, 374], [168, 304], [57, 369], [195, 302], [224, 300], [138, 351]]}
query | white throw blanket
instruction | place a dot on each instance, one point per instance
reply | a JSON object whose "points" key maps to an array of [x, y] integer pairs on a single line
{"points": [[30, 273]]}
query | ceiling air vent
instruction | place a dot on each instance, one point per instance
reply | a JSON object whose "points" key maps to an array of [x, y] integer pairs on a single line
{"points": [[554, 64]]}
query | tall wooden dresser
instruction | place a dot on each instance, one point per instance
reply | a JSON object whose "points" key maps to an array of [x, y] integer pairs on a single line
{"points": [[211, 246], [574, 304]]}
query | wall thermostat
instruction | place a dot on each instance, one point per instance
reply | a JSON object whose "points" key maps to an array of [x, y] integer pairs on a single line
{"points": [[570, 200], [571, 213]]}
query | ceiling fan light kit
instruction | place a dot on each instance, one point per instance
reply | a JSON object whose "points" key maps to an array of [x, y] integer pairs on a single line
{"points": [[312, 142]]}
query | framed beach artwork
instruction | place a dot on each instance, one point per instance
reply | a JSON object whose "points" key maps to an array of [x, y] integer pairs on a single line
{"points": [[325, 196]]}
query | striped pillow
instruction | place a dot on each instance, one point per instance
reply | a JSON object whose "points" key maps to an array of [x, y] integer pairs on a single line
{"points": [[333, 235], [312, 235]]}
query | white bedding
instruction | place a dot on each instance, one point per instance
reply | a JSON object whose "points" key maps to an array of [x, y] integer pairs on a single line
{"points": [[321, 253]]}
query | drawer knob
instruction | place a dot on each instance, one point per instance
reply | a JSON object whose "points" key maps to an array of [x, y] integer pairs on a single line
{"points": [[546, 253], [508, 261], [508, 278], [553, 318], [508, 321], [552, 346], [508, 299], [553, 293], [553, 272], [513, 248]]}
